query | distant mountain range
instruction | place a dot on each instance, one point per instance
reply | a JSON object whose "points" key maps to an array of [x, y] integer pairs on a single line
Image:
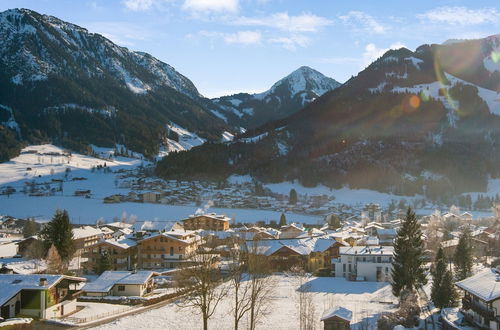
{"points": [[65, 85], [422, 122], [284, 98]]}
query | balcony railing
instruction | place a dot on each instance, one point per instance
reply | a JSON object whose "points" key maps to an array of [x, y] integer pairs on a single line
{"points": [[481, 309]]}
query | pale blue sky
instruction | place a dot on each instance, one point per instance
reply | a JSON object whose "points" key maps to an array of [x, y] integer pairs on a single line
{"points": [[228, 46]]}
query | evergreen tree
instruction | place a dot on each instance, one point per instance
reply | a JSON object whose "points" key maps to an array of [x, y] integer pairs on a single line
{"points": [[443, 292], [104, 263], [54, 263], [292, 199], [463, 256], [438, 270], [59, 232], [448, 293], [30, 228], [282, 220], [407, 265]]}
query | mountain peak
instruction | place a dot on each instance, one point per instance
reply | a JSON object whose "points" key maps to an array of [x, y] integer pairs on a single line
{"points": [[305, 79]]}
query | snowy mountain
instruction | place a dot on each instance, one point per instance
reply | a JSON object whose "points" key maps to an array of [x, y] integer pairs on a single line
{"points": [[424, 121], [284, 98], [63, 84]]}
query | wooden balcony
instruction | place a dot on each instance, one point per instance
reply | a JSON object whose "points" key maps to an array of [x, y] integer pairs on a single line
{"points": [[481, 309]]}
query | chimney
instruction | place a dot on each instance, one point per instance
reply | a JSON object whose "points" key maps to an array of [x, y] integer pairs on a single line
{"points": [[43, 281]]}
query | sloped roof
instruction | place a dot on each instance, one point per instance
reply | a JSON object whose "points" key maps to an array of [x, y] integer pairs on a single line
{"points": [[209, 215], [302, 246], [338, 311], [485, 285], [108, 279], [123, 242], [11, 284], [86, 231]]}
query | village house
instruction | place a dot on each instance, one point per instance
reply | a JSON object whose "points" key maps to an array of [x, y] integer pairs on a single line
{"points": [[114, 226], [167, 250], [386, 236], [481, 301], [85, 236], [151, 197], [371, 228], [37, 295], [311, 253], [291, 231], [209, 221], [338, 318], [121, 283], [364, 263], [479, 248], [122, 253]]}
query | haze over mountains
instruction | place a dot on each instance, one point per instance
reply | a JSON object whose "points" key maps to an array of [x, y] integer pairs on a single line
{"points": [[412, 122], [65, 85]]}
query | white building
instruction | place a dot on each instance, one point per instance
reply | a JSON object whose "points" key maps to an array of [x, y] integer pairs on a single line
{"points": [[121, 283], [364, 263]]}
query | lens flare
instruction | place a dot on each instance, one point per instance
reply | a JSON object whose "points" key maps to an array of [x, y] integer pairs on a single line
{"points": [[414, 101], [443, 82]]}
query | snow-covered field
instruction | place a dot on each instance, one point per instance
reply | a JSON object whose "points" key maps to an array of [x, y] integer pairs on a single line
{"points": [[43, 163], [92, 310], [82, 210], [88, 211], [364, 299]]}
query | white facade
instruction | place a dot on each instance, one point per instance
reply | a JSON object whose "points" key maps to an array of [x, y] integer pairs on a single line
{"points": [[364, 263]]}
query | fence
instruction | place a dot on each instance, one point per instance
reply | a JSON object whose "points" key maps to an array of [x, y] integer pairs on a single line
{"points": [[78, 320]]}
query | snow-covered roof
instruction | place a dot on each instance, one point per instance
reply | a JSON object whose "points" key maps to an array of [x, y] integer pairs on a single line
{"points": [[485, 285], [367, 250], [123, 242], [153, 225], [338, 311], [118, 225], [210, 215], [108, 279], [11, 284], [292, 226], [86, 231], [184, 236], [303, 246], [373, 225]]}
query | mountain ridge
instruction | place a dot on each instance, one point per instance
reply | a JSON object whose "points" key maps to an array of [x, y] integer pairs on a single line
{"points": [[409, 113], [285, 97], [74, 88]]}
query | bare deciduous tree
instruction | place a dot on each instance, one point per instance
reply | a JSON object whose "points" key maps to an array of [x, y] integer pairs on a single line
{"points": [[305, 304], [260, 282], [36, 252], [239, 284], [54, 262], [201, 283]]}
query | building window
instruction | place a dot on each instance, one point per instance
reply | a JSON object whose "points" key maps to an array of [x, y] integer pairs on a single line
{"points": [[121, 287], [171, 250], [343, 266]]}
